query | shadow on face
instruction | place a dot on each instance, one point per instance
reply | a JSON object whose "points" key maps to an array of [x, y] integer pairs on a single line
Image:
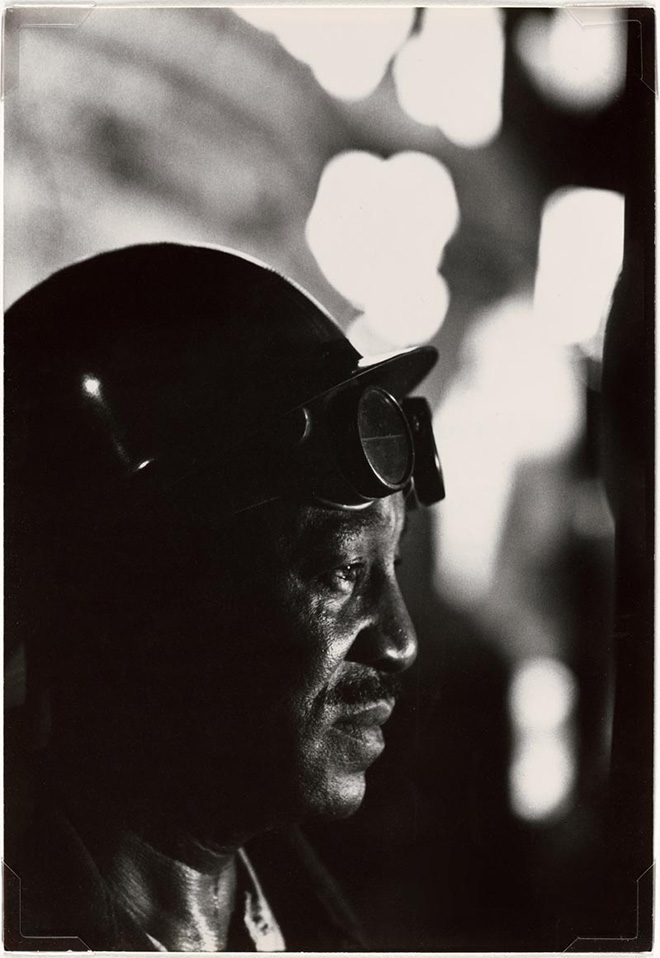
{"points": [[244, 669]]}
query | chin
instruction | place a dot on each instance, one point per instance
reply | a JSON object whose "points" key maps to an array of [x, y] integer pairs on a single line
{"points": [[337, 796]]}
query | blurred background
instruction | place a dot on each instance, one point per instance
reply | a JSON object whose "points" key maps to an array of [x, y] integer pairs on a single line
{"points": [[480, 179]]}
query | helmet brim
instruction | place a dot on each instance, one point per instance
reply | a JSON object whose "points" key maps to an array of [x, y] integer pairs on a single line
{"points": [[399, 372]]}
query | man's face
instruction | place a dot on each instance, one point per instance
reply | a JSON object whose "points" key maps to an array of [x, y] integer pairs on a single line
{"points": [[347, 637], [292, 670]]}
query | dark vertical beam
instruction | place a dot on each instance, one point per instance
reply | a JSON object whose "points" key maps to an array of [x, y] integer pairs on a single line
{"points": [[628, 395]]}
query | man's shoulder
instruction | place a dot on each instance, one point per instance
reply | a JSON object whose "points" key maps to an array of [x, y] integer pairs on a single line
{"points": [[55, 896]]}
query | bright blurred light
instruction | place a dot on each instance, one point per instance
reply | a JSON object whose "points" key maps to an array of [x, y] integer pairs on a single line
{"points": [[92, 386], [378, 229], [542, 694], [580, 258], [373, 218], [541, 776], [518, 398], [451, 74], [408, 313], [348, 49], [576, 58]]}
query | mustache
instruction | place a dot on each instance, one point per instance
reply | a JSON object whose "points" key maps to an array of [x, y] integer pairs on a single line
{"points": [[364, 689]]}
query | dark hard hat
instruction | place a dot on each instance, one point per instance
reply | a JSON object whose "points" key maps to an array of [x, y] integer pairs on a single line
{"points": [[159, 354]]}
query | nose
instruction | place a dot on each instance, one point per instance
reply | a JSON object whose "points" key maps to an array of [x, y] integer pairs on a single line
{"points": [[387, 640]]}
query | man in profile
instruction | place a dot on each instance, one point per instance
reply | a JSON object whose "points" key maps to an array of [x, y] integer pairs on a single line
{"points": [[206, 487]]}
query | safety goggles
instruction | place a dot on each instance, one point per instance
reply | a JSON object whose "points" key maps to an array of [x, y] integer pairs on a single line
{"points": [[352, 446]]}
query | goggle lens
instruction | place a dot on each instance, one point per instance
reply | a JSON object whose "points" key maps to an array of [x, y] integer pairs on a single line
{"points": [[385, 437]]}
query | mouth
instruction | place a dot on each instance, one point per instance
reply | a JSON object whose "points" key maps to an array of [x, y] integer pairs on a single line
{"points": [[365, 717], [363, 726]]}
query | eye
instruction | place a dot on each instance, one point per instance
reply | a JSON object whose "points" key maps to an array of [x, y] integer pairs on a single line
{"points": [[344, 578]]}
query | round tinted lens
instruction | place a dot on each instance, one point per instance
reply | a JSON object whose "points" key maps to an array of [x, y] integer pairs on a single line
{"points": [[385, 437]]}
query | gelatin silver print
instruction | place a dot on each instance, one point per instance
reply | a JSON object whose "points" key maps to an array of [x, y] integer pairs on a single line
{"points": [[329, 471]]}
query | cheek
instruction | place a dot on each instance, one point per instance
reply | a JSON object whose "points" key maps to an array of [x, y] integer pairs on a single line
{"points": [[315, 642]]}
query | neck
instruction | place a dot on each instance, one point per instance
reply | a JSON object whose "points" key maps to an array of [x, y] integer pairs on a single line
{"points": [[176, 887], [183, 906]]}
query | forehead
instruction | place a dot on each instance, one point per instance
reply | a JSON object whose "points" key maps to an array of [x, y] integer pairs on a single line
{"points": [[306, 528]]}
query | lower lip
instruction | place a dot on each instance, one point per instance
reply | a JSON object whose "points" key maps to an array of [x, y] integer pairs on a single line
{"points": [[365, 742]]}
